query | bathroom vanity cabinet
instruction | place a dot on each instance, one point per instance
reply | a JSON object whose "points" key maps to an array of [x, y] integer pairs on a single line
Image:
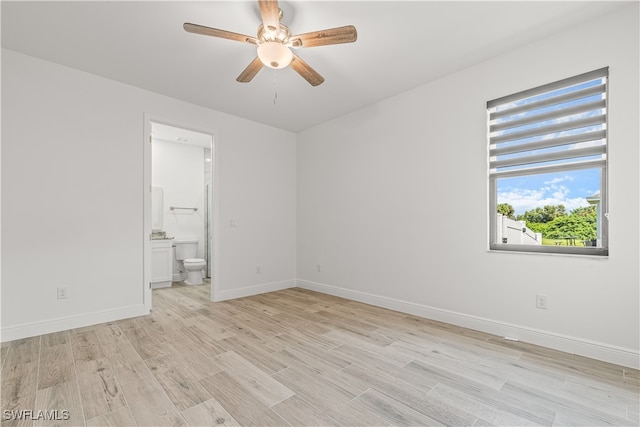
{"points": [[161, 263]]}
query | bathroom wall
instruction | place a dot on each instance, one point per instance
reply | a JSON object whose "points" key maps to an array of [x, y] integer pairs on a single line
{"points": [[178, 169]]}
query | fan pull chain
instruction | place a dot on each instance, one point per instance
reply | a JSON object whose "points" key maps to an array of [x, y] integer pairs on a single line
{"points": [[275, 86]]}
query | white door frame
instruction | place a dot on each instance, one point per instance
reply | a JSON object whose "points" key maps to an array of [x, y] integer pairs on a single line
{"points": [[146, 208]]}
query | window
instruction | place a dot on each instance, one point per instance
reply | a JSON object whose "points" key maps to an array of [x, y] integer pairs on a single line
{"points": [[548, 167]]}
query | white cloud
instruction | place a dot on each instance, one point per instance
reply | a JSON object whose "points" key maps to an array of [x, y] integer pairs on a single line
{"points": [[586, 144], [523, 199], [558, 179]]}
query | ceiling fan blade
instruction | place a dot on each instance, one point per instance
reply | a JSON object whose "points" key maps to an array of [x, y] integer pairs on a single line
{"points": [[346, 34], [270, 12], [307, 73], [214, 32], [250, 72]]}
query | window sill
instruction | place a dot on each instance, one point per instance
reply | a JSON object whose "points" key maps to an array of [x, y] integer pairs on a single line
{"points": [[582, 252]]}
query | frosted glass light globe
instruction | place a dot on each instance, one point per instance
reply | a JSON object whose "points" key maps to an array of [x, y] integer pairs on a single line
{"points": [[274, 55]]}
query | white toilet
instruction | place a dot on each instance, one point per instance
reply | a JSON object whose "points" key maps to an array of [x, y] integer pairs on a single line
{"points": [[186, 254]]}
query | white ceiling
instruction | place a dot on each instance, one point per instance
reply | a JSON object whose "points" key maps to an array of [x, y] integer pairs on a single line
{"points": [[401, 45]]}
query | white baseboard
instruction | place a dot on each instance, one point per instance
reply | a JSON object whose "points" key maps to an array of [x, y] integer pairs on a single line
{"points": [[595, 350], [254, 290], [26, 330]]}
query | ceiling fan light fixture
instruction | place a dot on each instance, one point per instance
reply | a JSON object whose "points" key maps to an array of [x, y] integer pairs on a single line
{"points": [[274, 41], [274, 54]]}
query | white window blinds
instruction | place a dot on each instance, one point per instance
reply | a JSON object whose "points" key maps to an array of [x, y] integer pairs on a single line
{"points": [[558, 126]]}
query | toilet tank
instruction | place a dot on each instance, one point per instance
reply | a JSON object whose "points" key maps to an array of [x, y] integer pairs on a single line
{"points": [[186, 248]]}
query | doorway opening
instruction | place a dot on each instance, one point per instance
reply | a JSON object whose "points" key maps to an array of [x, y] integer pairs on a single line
{"points": [[180, 207]]}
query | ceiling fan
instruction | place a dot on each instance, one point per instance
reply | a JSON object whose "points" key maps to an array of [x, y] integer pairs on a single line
{"points": [[274, 41]]}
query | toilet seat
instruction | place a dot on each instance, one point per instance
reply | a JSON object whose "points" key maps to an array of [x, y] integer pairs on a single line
{"points": [[194, 267]]}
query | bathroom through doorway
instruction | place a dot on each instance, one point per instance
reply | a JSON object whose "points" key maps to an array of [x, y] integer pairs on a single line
{"points": [[179, 212]]}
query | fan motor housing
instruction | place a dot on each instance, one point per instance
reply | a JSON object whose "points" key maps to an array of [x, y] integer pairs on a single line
{"points": [[279, 35]]}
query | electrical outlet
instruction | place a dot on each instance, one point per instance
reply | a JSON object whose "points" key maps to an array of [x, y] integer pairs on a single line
{"points": [[63, 293], [258, 269], [318, 268], [541, 301]]}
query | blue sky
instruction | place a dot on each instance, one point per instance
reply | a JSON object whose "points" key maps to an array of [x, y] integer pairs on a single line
{"points": [[569, 188]]}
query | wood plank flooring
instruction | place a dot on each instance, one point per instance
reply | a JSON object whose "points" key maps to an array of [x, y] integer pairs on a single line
{"points": [[301, 358]]}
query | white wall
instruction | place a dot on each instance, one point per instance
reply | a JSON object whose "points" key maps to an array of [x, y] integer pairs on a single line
{"points": [[72, 197], [381, 190], [178, 169]]}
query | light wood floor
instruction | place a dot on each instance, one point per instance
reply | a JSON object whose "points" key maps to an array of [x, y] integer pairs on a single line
{"points": [[301, 358]]}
